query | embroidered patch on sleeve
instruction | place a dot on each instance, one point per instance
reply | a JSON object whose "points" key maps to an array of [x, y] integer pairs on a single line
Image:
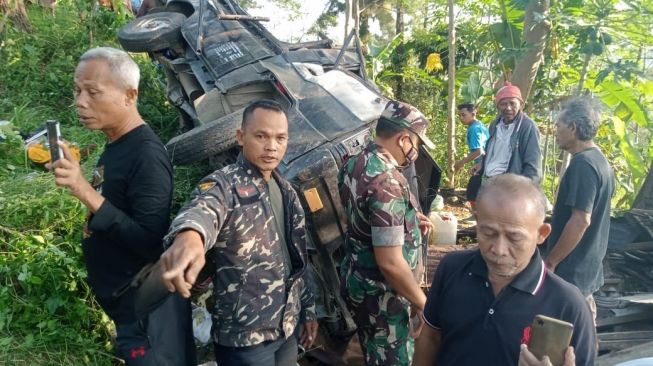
{"points": [[203, 187]]}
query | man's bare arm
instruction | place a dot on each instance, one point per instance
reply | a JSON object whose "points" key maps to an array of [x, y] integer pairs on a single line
{"points": [[395, 269], [570, 237], [470, 157]]}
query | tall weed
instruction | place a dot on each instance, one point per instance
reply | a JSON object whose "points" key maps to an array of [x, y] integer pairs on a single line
{"points": [[48, 315]]}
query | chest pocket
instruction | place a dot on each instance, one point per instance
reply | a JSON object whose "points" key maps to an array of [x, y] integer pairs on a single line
{"points": [[247, 194], [246, 223]]}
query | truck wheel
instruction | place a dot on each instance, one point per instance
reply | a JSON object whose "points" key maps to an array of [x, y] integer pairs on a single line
{"points": [[153, 32], [205, 140]]}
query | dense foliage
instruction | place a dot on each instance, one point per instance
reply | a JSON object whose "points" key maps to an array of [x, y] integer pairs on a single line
{"points": [[47, 312], [601, 48]]}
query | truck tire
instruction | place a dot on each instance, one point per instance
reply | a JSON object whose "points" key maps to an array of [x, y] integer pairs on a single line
{"points": [[153, 32], [206, 140]]}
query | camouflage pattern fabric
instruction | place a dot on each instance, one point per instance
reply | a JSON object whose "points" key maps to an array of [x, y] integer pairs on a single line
{"points": [[405, 116], [254, 302], [382, 320], [381, 212]]}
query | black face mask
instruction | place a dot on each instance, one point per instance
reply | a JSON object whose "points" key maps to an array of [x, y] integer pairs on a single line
{"points": [[410, 156]]}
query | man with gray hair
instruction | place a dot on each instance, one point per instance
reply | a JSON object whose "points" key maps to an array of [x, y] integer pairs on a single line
{"points": [[128, 203], [581, 216], [482, 302]]}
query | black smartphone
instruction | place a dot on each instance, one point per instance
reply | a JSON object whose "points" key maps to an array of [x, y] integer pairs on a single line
{"points": [[54, 135], [550, 337]]}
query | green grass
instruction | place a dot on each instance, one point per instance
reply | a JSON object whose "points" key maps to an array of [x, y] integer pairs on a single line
{"points": [[48, 314]]}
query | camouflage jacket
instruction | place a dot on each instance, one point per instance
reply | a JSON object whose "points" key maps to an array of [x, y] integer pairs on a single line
{"points": [[381, 211], [254, 302]]}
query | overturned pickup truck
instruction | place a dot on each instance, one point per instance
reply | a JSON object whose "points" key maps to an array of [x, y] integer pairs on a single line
{"points": [[217, 60]]}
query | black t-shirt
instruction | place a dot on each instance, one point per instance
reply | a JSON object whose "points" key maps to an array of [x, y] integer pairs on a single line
{"points": [[588, 185], [134, 174], [478, 328]]}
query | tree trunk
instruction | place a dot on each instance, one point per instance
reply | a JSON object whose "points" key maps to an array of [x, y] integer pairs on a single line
{"points": [[645, 195], [583, 74], [16, 12], [401, 50], [451, 98], [536, 32], [355, 9], [347, 18]]}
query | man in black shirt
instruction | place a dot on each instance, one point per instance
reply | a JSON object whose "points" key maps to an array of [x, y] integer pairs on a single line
{"points": [[482, 302], [581, 216], [128, 202]]}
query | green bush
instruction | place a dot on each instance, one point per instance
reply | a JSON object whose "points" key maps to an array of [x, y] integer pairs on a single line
{"points": [[45, 304], [48, 315]]}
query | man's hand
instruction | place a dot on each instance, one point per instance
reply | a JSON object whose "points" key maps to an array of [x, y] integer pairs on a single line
{"points": [[182, 262], [458, 165], [526, 358], [68, 173], [416, 322], [425, 224], [307, 333], [476, 169]]}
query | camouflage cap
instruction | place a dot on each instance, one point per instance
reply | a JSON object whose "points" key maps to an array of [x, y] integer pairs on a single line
{"points": [[406, 116]]}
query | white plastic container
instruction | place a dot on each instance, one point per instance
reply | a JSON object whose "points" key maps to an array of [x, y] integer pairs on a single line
{"points": [[445, 228], [438, 204]]}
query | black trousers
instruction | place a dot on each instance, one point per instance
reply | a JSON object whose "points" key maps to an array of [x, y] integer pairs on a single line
{"points": [[164, 337], [473, 186], [282, 352]]}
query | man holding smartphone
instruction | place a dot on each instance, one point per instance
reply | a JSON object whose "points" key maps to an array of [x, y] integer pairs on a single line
{"points": [[482, 302], [128, 203]]}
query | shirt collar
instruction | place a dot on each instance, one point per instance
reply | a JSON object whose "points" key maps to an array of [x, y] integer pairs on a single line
{"points": [[529, 280], [253, 171], [382, 153], [515, 122]]}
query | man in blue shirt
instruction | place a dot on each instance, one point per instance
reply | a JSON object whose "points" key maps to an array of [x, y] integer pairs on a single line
{"points": [[477, 136]]}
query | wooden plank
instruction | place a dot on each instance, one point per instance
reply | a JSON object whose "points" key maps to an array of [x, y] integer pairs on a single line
{"points": [[623, 319], [612, 346], [635, 334], [616, 341], [639, 351]]}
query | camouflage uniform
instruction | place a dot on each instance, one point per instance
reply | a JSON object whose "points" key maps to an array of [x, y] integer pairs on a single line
{"points": [[254, 302], [381, 211]]}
